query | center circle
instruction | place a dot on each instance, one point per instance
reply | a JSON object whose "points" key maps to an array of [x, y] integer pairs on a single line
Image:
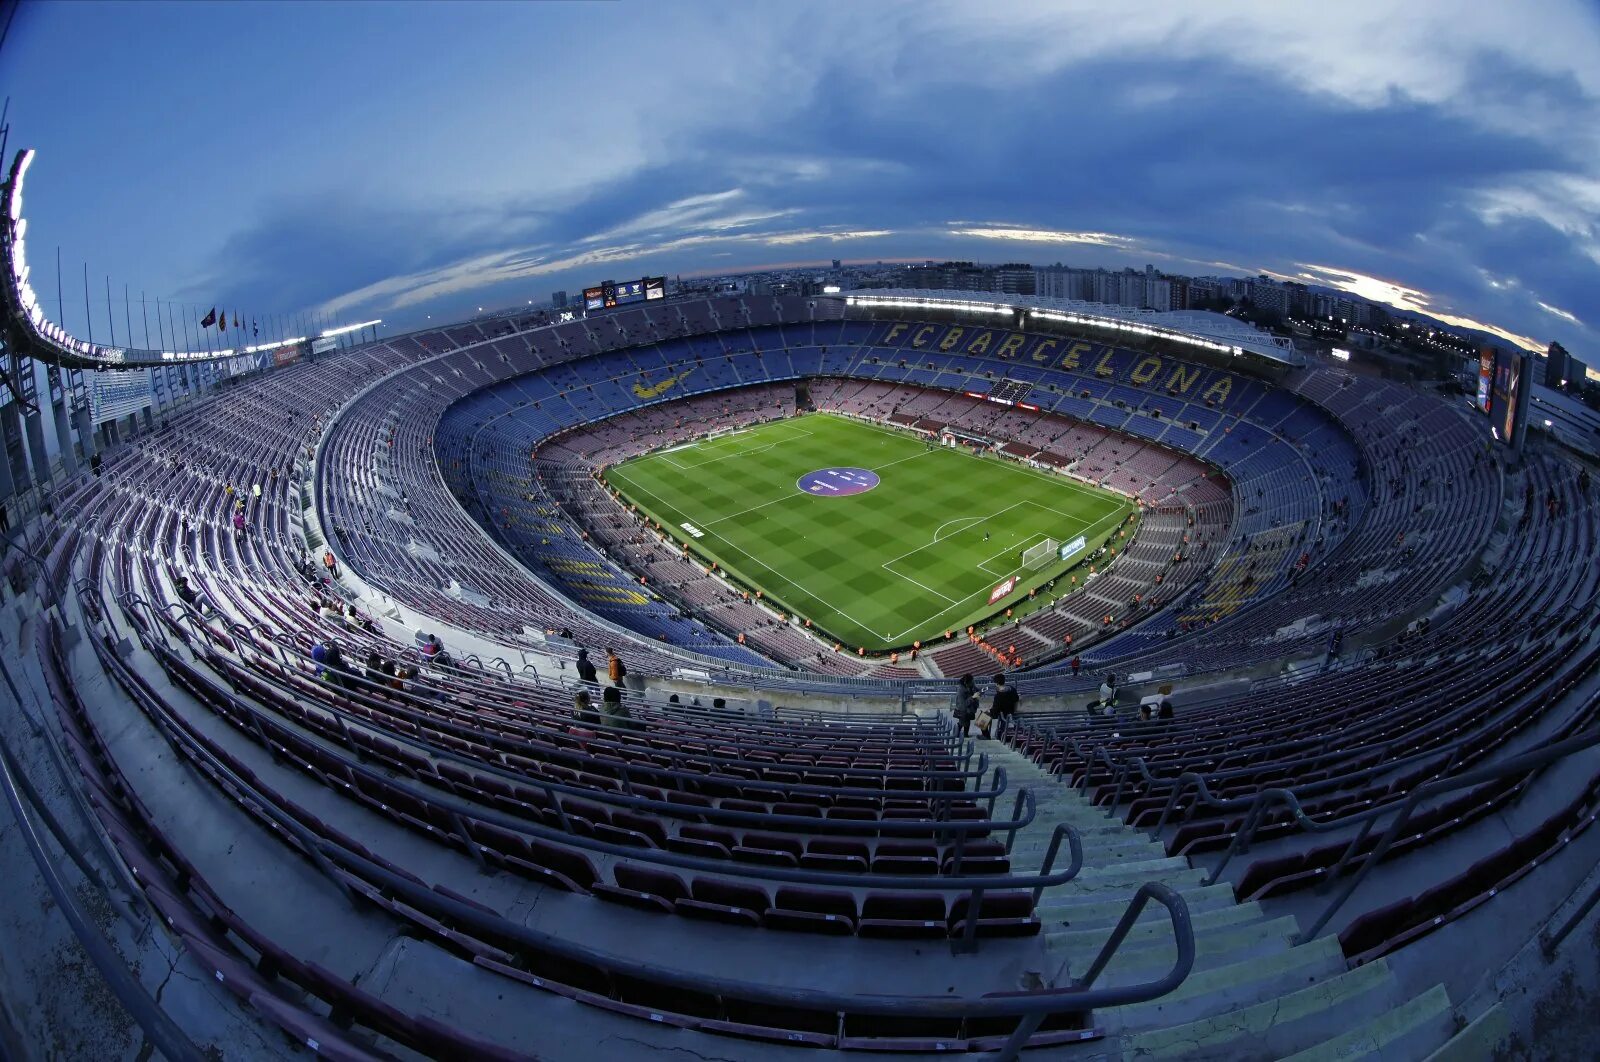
{"points": [[837, 482]]}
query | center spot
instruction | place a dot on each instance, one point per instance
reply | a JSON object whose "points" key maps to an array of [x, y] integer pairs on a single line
{"points": [[837, 482]]}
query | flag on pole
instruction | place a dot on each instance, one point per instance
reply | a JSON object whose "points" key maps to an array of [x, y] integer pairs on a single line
{"points": [[222, 322], [209, 319], [255, 328]]}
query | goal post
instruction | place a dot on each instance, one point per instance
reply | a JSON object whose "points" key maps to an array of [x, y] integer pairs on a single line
{"points": [[1037, 556]]}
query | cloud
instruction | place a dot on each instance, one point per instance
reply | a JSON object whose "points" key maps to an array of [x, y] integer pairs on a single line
{"points": [[783, 239], [1401, 297], [1024, 235], [1556, 311]]}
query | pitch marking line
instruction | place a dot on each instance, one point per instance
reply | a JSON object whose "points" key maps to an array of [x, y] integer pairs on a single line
{"points": [[737, 453], [1087, 534]]}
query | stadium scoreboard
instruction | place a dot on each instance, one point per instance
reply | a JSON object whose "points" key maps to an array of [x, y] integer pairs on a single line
{"points": [[1503, 393], [613, 293]]}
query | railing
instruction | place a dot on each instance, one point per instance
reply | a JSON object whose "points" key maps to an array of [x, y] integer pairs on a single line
{"points": [[1521, 764]]}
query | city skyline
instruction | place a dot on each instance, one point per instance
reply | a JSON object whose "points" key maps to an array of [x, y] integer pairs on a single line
{"points": [[403, 162]]}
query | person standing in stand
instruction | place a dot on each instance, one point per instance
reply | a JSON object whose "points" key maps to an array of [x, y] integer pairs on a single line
{"points": [[1004, 706]]}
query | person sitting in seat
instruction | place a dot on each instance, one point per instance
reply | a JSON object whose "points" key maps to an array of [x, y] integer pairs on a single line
{"points": [[583, 708]]}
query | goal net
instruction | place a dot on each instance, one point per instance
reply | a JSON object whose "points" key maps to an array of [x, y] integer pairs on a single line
{"points": [[1040, 555]]}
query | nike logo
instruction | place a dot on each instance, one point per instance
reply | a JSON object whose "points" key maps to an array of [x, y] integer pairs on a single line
{"points": [[653, 390]]}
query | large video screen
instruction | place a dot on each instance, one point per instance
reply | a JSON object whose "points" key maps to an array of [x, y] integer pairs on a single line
{"points": [[624, 293], [1507, 379], [1485, 377]]}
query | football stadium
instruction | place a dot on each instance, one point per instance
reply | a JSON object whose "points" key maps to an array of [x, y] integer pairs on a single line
{"points": [[724, 672]]}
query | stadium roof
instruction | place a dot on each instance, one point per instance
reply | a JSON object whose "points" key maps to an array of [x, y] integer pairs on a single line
{"points": [[1211, 331]]}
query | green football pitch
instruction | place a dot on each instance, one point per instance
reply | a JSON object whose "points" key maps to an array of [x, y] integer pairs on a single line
{"points": [[866, 531]]}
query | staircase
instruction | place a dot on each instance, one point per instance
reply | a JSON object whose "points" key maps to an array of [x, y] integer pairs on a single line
{"points": [[1252, 994]]}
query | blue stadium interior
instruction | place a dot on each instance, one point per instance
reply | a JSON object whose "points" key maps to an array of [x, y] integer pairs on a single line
{"points": [[1363, 834]]}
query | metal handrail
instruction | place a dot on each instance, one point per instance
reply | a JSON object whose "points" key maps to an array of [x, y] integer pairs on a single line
{"points": [[1260, 802], [1520, 764], [1182, 934], [1123, 768]]}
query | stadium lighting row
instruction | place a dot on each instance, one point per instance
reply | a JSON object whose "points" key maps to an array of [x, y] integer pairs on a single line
{"points": [[53, 333]]}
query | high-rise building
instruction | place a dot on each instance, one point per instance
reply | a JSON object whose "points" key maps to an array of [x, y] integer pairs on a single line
{"points": [[1558, 374], [558, 300]]}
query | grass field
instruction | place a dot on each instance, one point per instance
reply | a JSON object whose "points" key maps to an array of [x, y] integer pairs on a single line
{"points": [[920, 552]]}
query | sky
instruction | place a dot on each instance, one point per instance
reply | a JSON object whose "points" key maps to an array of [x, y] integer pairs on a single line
{"points": [[416, 161]]}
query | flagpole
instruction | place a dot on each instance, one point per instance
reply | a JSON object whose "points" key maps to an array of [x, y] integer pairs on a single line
{"points": [[188, 346], [110, 320], [88, 317], [127, 316], [144, 311], [160, 332]]}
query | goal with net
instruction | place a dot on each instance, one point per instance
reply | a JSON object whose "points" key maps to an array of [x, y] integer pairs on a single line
{"points": [[1037, 556]]}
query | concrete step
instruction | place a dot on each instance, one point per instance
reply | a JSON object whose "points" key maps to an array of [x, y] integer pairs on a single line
{"points": [[1101, 846], [1275, 1026], [1209, 992], [1151, 923], [1479, 1040], [1082, 910], [1412, 1030], [1154, 945], [1213, 951], [1129, 876]]}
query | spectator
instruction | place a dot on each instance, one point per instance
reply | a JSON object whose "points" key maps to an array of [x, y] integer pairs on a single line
{"points": [[1077, 662], [319, 657], [335, 670], [1003, 707], [329, 563], [616, 713], [616, 670], [373, 672], [966, 704], [586, 669], [1108, 693], [583, 708], [1164, 709], [185, 592]]}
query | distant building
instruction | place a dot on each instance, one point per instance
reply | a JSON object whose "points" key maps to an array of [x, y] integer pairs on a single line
{"points": [[1562, 372], [558, 300]]}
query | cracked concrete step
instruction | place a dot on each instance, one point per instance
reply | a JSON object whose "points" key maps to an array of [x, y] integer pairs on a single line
{"points": [[1273, 1027], [1174, 871], [1208, 992], [1410, 1030], [1092, 853], [1152, 922], [1213, 951], [1478, 1040]]}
